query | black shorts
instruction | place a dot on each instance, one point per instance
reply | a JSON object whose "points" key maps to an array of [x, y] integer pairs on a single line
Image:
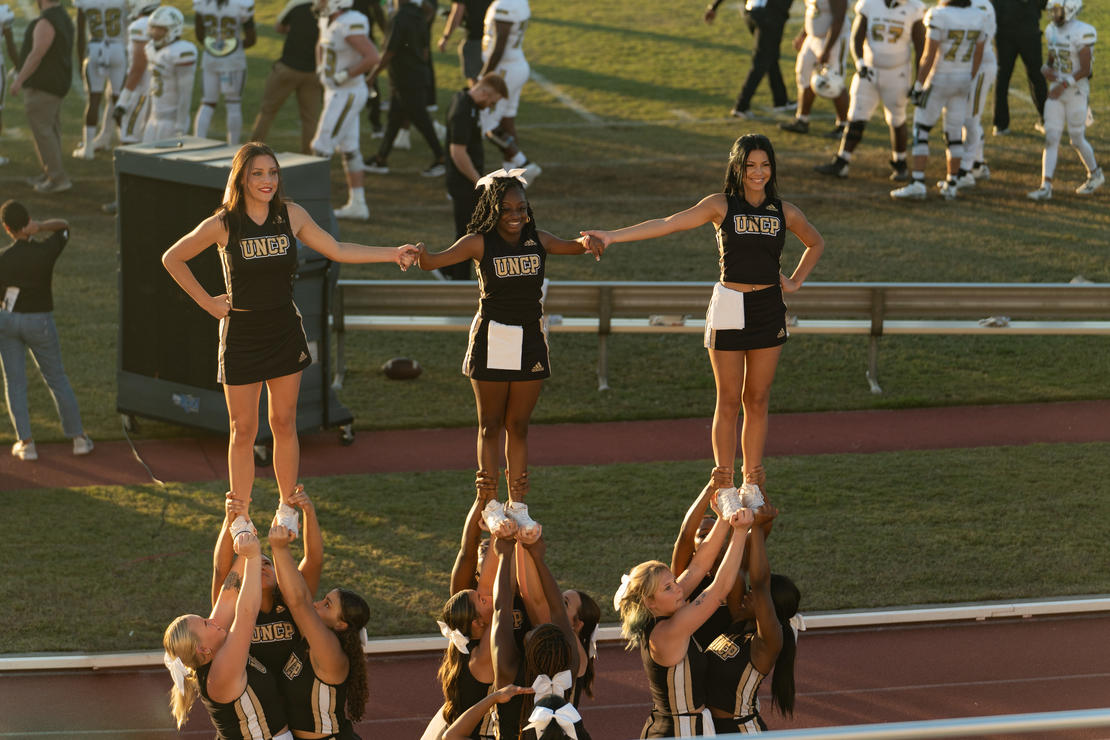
{"points": [[764, 324], [660, 724], [260, 345], [535, 363], [751, 724]]}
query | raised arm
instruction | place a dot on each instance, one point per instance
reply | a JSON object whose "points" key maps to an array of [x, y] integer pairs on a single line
{"points": [[704, 557], [227, 676], [313, 561], [468, 247], [224, 555], [768, 628], [328, 658], [310, 233], [683, 549], [555, 604], [506, 655], [466, 560], [814, 243], [530, 588], [210, 231], [711, 208]]}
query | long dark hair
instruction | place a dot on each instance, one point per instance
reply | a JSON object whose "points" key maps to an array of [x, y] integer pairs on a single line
{"points": [[458, 614], [589, 613], [488, 210], [356, 613], [738, 158], [785, 596], [233, 209], [546, 652]]}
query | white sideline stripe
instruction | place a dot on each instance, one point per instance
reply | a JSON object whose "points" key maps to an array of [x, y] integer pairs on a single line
{"points": [[956, 727], [611, 633], [682, 115], [557, 92]]}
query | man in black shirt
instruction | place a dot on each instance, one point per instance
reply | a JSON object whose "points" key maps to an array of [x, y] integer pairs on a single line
{"points": [[1019, 34], [295, 71], [466, 159], [406, 56], [766, 20], [27, 322], [45, 74]]}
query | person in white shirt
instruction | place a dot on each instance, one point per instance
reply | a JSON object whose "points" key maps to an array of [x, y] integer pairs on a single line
{"points": [[344, 54], [133, 106], [173, 70], [225, 29], [821, 47], [1068, 72], [974, 161], [102, 44]]}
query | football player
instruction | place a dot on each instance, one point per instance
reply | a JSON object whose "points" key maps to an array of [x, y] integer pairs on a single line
{"points": [[344, 54], [502, 52], [887, 38], [955, 36], [820, 46], [225, 28], [102, 44], [173, 70], [974, 163], [1068, 72], [133, 106]]}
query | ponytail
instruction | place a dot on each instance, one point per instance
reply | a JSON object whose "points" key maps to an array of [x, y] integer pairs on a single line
{"points": [[786, 597], [180, 643], [356, 613]]}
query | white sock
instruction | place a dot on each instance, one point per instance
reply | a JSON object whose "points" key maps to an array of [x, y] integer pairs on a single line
{"points": [[1048, 161], [358, 195], [1086, 152], [204, 120], [518, 160], [234, 123], [90, 134]]}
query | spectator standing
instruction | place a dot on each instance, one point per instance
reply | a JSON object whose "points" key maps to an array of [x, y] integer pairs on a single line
{"points": [[470, 15], [1019, 34], [295, 72], [44, 77], [406, 56], [27, 322], [766, 20], [466, 156]]}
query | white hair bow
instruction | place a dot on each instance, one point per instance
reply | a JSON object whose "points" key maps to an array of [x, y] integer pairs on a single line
{"points": [[458, 639], [591, 650], [487, 180], [363, 639], [621, 591], [177, 671], [798, 624], [545, 685], [565, 715]]}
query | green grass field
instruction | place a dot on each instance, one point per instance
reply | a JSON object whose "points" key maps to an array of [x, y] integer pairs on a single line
{"points": [[647, 136]]}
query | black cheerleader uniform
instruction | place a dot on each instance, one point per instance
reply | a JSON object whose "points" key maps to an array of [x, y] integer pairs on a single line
{"points": [[472, 691], [718, 621], [508, 337], [275, 635], [750, 241], [677, 693], [311, 704], [262, 337], [733, 682], [258, 713]]}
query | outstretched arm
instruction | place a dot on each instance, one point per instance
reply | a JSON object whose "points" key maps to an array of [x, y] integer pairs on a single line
{"points": [[223, 555], [313, 561], [463, 727], [555, 604], [710, 208], [466, 560], [227, 676], [469, 247], [683, 549], [768, 643], [704, 557], [506, 657], [309, 232]]}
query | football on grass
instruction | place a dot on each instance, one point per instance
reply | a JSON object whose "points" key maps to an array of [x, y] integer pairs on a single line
{"points": [[402, 368]]}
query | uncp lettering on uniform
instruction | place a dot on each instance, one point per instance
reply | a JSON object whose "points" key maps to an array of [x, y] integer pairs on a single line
{"points": [[528, 264], [264, 246], [766, 225]]}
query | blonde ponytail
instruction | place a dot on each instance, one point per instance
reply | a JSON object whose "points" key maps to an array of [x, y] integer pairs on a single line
{"points": [[180, 643]]}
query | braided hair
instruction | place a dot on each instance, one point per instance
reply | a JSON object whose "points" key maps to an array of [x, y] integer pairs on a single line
{"points": [[738, 159], [356, 613], [488, 210], [785, 596], [546, 652]]}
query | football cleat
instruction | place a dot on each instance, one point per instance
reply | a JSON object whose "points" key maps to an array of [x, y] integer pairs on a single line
{"points": [[981, 171], [25, 451], [796, 126], [436, 170], [966, 180], [82, 445], [403, 140], [948, 189], [1044, 192], [84, 152], [1001, 131], [1094, 181], [375, 165], [354, 212], [737, 113], [838, 168], [914, 191]]}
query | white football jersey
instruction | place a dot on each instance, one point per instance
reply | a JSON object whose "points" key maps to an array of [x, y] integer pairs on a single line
{"points": [[105, 20], [336, 53], [957, 30], [224, 19], [165, 97], [1066, 41], [889, 41], [991, 30], [819, 18], [138, 32], [515, 12]]}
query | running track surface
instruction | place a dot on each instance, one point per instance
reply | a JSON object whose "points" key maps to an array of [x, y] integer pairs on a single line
{"points": [[844, 676], [857, 676]]}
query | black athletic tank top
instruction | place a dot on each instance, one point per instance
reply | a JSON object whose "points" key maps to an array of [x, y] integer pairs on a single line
{"points": [[259, 262], [510, 277], [275, 635], [677, 689], [312, 705], [472, 691], [257, 714], [750, 241], [731, 680], [718, 621]]}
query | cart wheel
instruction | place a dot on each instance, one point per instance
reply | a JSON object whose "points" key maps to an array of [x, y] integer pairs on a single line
{"points": [[346, 435], [261, 455], [130, 423]]}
